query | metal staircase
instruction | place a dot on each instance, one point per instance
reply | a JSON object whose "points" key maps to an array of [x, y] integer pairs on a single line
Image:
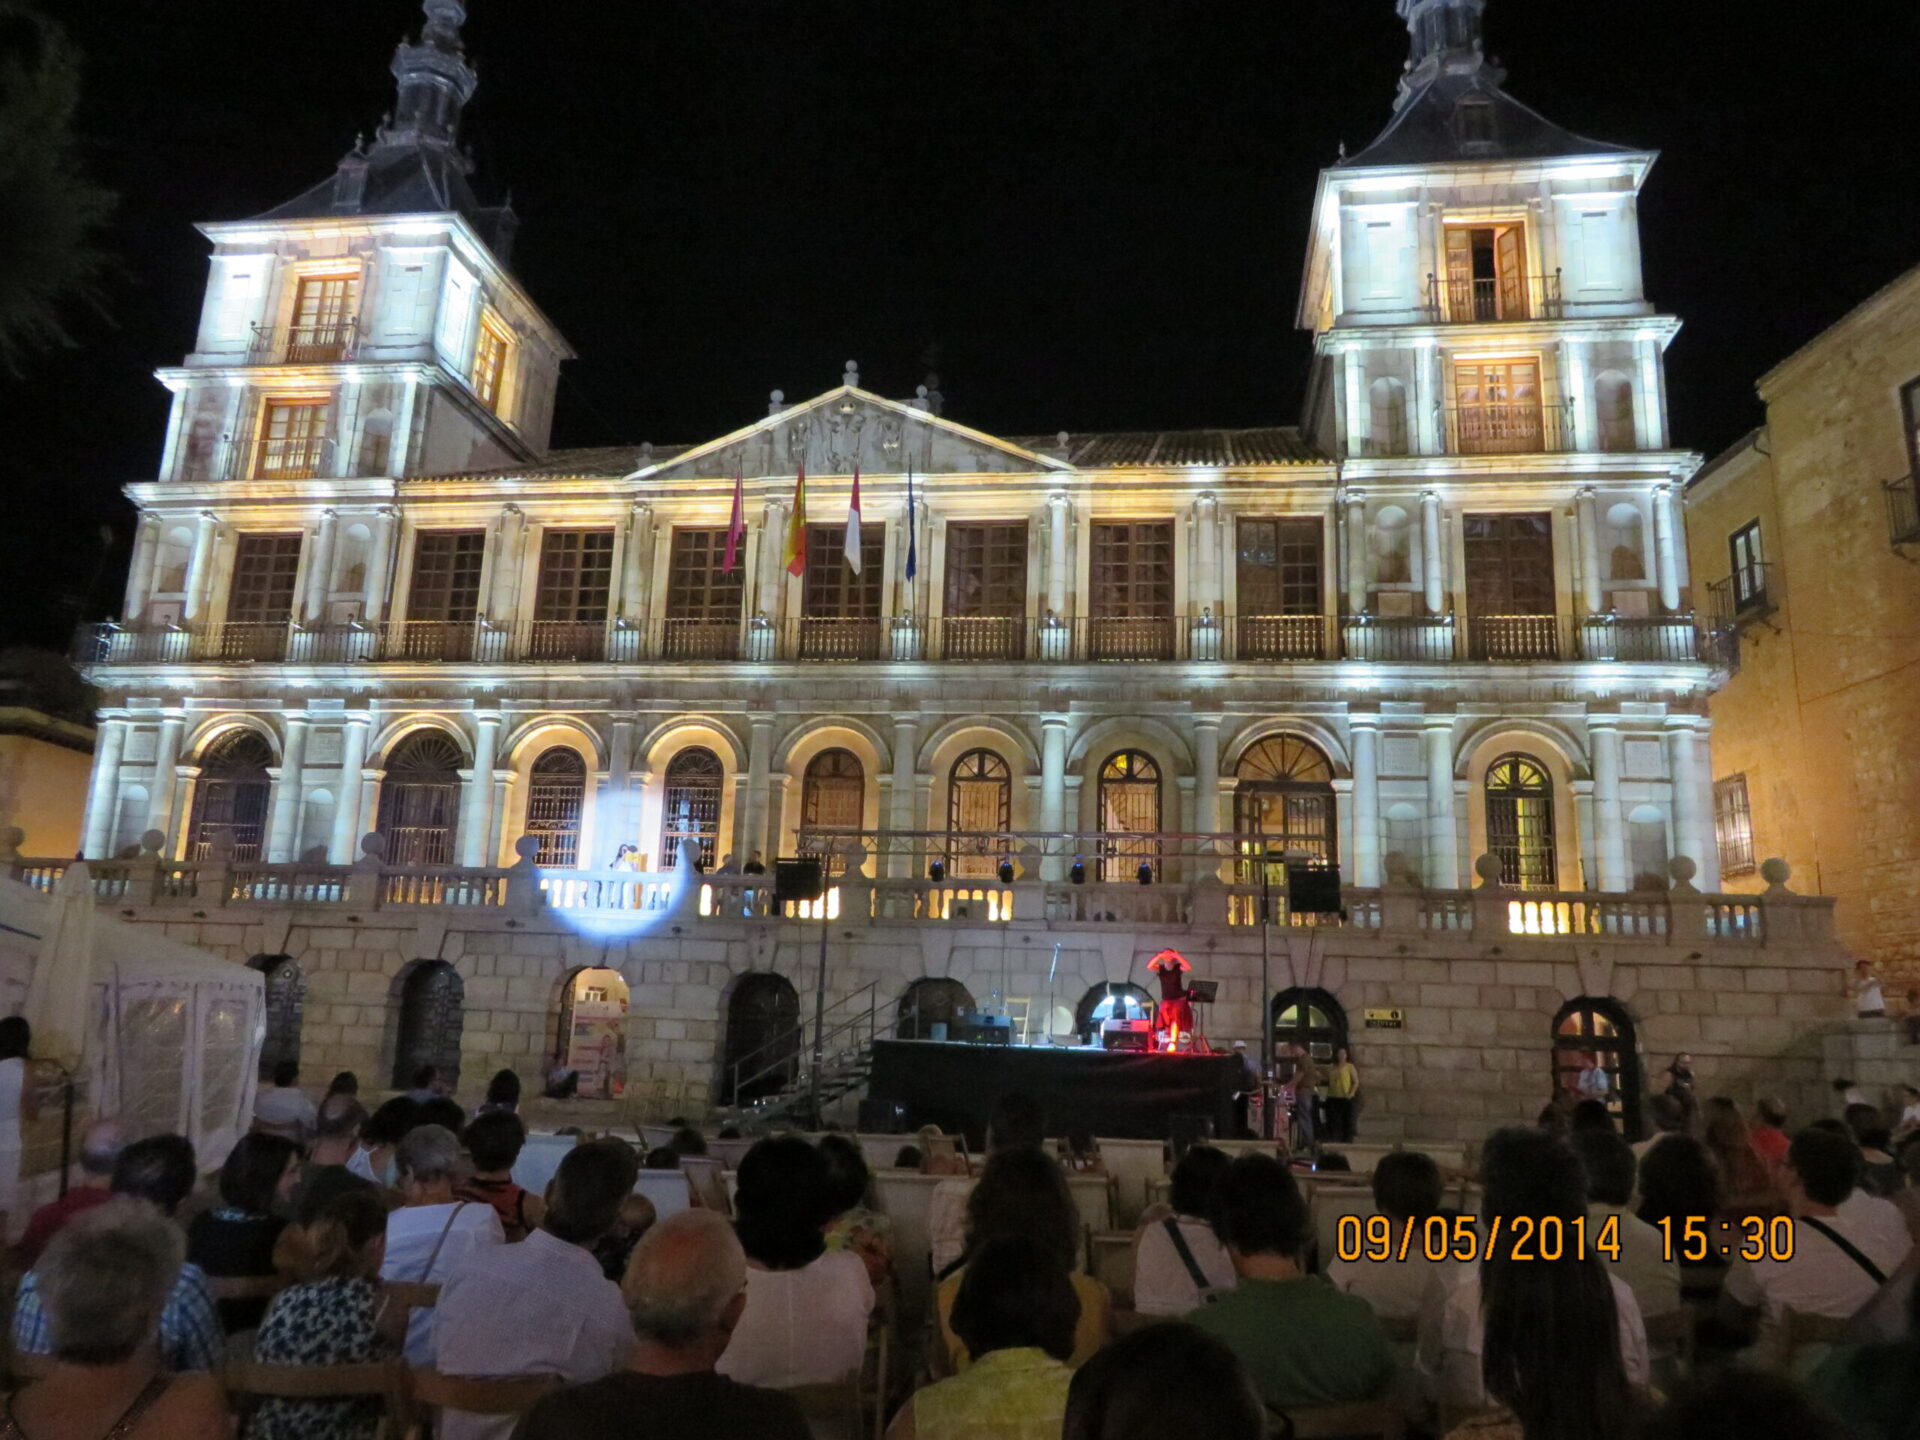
{"points": [[779, 1075]]}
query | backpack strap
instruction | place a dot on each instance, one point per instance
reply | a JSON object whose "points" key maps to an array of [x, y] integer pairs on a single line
{"points": [[1846, 1247], [1185, 1252]]}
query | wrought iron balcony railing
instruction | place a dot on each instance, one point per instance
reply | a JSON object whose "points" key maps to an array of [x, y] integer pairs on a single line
{"points": [[1903, 511], [296, 459], [1509, 427], [305, 344], [1475, 301], [1514, 637]]}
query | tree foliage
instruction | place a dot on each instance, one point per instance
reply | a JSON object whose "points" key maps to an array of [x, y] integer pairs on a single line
{"points": [[51, 211]]}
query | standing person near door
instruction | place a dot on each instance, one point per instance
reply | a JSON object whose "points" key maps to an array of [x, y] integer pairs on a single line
{"points": [[1343, 1090]]}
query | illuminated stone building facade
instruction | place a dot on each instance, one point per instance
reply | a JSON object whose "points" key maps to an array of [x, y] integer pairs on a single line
{"points": [[1447, 620]]}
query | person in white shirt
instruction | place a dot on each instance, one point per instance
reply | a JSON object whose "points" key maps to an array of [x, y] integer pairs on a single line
{"points": [[1594, 1082], [1842, 1253], [541, 1307], [1016, 1120], [1652, 1275], [283, 1107], [1565, 1332], [1909, 1100], [805, 1321], [1178, 1260], [1407, 1189], [431, 1235]]}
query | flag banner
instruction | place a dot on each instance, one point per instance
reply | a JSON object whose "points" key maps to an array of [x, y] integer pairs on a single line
{"points": [[853, 525], [797, 527], [913, 533], [736, 524]]}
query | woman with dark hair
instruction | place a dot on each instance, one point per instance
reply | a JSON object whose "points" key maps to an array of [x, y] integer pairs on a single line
{"points": [[493, 1142], [1177, 1259], [1024, 1192], [379, 1136], [345, 1083], [1557, 1344], [503, 1093], [855, 1227], [1678, 1182], [1015, 1313], [19, 1107], [805, 1321], [235, 1239], [1746, 1186], [1122, 1393]]}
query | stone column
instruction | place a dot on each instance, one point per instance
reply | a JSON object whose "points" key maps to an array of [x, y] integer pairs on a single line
{"points": [[619, 821], [1206, 788], [103, 789], [506, 567], [344, 848], [1443, 830], [166, 780], [1435, 568], [146, 547], [1356, 552], [386, 525], [1692, 800], [283, 815], [200, 564], [1609, 828], [1647, 397], [476, 807], [1053, 790], [752, 824], [906, 742], [1366, 800], [1588, 512], [1666, 548], [320, 568], [1059, 577], [633, 583]]}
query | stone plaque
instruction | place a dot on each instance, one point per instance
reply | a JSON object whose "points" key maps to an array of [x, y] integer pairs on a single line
{"points": [[1386, 1019], [1644, 760], [1400, 755], [324, 747], [142, 746]]}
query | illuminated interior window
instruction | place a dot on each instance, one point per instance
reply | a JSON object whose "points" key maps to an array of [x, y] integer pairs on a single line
{"points": [[292, 431], [490, 362]]}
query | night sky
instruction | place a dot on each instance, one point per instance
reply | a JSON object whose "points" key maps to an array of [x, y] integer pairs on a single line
{"points": [[1085, 214]]}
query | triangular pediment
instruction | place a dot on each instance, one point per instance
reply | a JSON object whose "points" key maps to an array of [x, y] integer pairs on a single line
{"points": [[848, 427]]}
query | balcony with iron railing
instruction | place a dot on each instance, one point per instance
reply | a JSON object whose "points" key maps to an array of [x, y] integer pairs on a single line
{"points": [[1511, 427], [295, 458], [1903, 511], [1494, 300], [324, 344]]}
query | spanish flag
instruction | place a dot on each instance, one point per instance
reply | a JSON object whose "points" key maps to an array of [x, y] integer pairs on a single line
{"points": [[797, 527]]}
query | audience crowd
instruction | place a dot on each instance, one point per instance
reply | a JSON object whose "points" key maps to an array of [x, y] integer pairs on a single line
{"points": [[1757, 1280]]}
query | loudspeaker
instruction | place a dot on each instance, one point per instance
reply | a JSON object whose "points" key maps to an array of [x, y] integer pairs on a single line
{"points": [[798, 880], [1135, 1035], [1313, 889]]}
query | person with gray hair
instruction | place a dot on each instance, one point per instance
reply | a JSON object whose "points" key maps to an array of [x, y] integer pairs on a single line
{"points": [[104, 1282], [685, 1289], [432, 1233], [100, 1147]]}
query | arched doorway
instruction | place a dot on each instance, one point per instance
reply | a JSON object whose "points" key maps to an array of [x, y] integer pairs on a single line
{"points": [[833, 796], [1113, 1000], [1520, 823], [928, 1003], [1283, 805], [1599, 1027], [593, 1031], [420, 799], [286, 1000], [1312, 1017], [1129, 805], [230, 798], [556, 793], [691, 808], [431, 1017], [763, 1038], [979, 814]]}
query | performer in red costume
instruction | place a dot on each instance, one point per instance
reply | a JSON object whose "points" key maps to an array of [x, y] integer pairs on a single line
{"points": [[1176, 1004]]}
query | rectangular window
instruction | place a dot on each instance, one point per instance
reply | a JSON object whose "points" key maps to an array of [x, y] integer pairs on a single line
{"points": [[1486, 273], [323, 319], [1910, 415], [703, 604], [264, 570], [576, 577], [1497, 407], [446, 576], [1749, 567], [292, 434], [1510, 590], [1131, 604], [1733, 825], [839, 610], [986, 591], [1279, 567], [490, 362]]}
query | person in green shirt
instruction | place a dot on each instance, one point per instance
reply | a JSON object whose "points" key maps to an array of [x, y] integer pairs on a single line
{"points": [[1305, 1343]]}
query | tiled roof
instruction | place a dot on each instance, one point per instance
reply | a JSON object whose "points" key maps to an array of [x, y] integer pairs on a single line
{"points": [[1426, 130], [1266, 445]]}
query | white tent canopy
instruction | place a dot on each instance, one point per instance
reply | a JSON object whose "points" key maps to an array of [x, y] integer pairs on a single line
{"points": [[175, 1032]]}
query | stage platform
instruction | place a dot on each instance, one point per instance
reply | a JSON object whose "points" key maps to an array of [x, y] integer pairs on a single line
{"points": [[1110, 1092]]}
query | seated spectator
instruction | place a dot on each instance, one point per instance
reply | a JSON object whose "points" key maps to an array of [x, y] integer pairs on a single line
{"points": [[541, 1307], [380, 1134], [159, 1171], [105, 1281], [942, 1154], [1408, 1190], [1023, 1191], [1477, 1343], [1735, 1403], [1669, 1116], [426, 1085], [1875, 1389], [1643, 1262], [100, 1147], [330, 1316], [1080, 1153], [494, 1141], [283, 1107], [1123, 1392], [1678, 1182], [336, 1132], [344, 1083], [1590, 1115], [687, 1141], [1177, 1259], [685, 1292], [445, 1112], [661, 1159], [907, 1157], [503, 1093], [855, 1226], [1840, 1257], [432, 1233], [236, 1237], [1016, 1121], [1746, 1187], [1304, 1343], [1015, 1313], [1880, 1173], [1770, 1133], [805, 1321], [615, 1249]]}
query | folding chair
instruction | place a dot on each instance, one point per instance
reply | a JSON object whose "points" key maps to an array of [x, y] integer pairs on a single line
{"points": [[385, 1380], [476, 1395], [833, 1411], [1367, 1420]]}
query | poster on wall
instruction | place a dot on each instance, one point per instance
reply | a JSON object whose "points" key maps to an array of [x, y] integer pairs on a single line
{"points": [[596, 1045]]}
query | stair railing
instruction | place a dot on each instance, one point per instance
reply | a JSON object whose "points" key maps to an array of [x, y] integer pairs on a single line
{"points": [[856, 1016]]}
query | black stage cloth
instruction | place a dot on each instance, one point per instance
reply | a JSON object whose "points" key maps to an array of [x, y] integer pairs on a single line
{"points": [[1127, 1096]]}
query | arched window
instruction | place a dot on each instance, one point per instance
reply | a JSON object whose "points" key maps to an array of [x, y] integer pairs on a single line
{"points": [[1129, 805], [1591, 1028], [1613, 409], [431, 1000], [691, 810], [1114, 1000], [1312, 1018], [556, 791], [979, 813], [928, 1003], [1283, 804], [833, 796], [420, 799], [763, 1038], [1387, 417], [286, 999], [1520, 823], [230, 798], [593, 1031]]}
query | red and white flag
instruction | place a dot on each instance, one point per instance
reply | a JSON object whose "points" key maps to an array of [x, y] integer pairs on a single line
{"points": [[736, 524], [853, 525]]}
